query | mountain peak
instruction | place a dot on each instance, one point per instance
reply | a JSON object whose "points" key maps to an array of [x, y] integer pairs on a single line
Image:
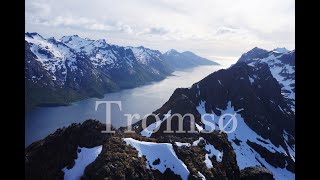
{"points": [[257, 49], [253, 53], [103, 41], [280, 50], [188, 52], [71, 38], [141, 47], [100, 43], [172, 51], [33, 35], [52, 39]]}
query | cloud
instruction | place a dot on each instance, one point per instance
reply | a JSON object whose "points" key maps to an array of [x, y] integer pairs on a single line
{"points": [[124, 28], [225, 30], [83, 23], [207, 27], [37, 8], [155, 31]]}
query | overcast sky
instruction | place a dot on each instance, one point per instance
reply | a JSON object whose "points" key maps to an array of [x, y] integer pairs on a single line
{"points": [[216, 29]]}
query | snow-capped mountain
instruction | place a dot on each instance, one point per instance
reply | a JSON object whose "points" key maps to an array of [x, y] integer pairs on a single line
{"points": [[71, 68], [252, 91], [281, 63], [185, 59], [150, 58], [59, 71], [253, 53]]}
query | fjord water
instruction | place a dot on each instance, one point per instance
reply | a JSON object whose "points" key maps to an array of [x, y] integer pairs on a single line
{"points": [[142, 100]]}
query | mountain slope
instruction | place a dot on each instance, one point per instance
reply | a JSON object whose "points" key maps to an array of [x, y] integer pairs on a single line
{"points": [[61, 71], [130, 156], [185, 59], [282, 66], [251, 93]]}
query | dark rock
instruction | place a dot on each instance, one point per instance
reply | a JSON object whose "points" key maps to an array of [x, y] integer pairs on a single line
{"points": [[275, 159], [256, 173], [118, 161], [46, 158], [237, 141], [156, 162]]}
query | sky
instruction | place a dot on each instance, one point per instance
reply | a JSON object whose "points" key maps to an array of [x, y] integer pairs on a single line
{"points": [[220, 30]]}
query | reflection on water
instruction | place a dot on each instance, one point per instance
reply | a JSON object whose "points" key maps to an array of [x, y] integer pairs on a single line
{"points": [[40, 122]]}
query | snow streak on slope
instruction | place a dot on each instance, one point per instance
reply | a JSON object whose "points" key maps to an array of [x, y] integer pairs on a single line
{"points": [[290, 149], [162, 151], [85, 157], [246, 156]]}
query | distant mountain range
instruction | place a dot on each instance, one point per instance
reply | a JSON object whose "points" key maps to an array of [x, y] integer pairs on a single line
{"points": [[259, 90], [58, 72], [185, 59]]}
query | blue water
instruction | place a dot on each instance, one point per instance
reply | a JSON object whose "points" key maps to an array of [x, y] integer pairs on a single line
{"points": [[143, 100]]}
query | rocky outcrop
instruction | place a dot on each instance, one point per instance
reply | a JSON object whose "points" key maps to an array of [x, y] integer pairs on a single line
{"points": [[256, 173], [46, 158], [118, 161], [194, 156]]}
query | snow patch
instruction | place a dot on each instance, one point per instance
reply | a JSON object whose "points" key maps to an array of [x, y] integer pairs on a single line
{"points": [[179, 144], [208, 162], [201, 176], [251, 80], [85, 157], [213, 151], [147, 132], [163, 151], [245, 155], [200, 128], [195, 143]]}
